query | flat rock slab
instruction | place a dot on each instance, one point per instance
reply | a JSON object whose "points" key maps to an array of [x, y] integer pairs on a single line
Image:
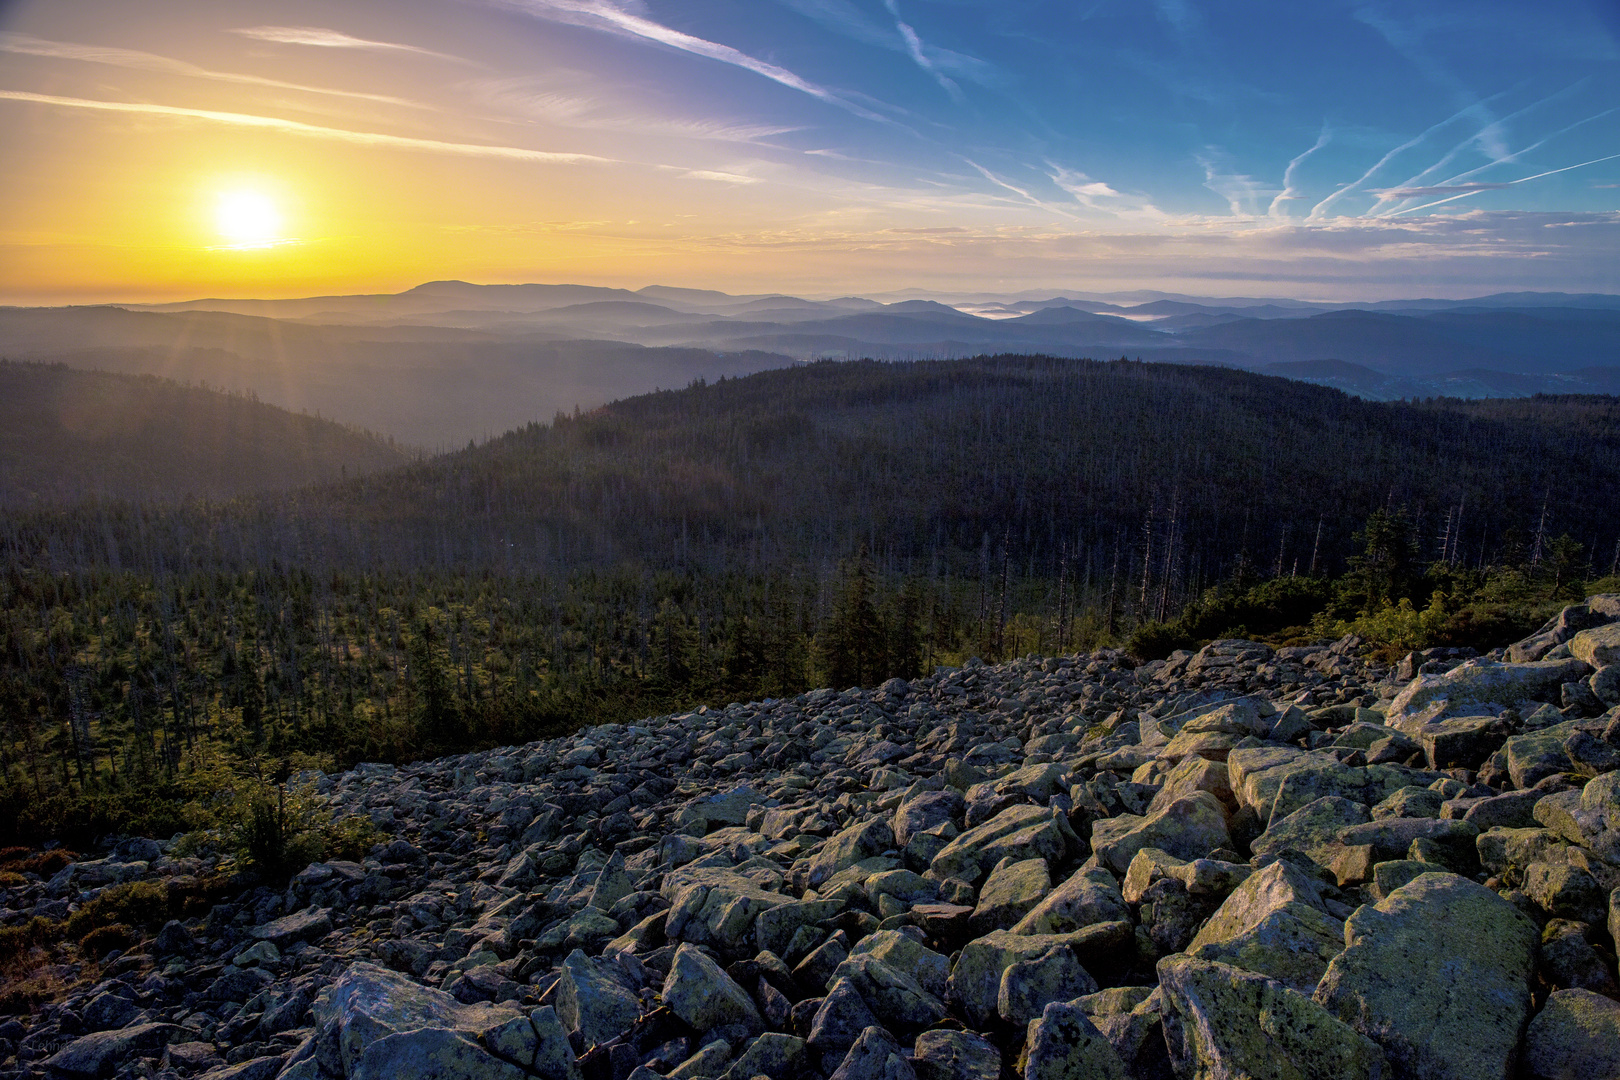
{"points": [[1438, 974], [311, 924]]}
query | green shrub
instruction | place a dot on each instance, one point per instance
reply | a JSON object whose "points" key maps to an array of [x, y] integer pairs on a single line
{"points": [[1155, 641], [104, 939], [135, 903]]}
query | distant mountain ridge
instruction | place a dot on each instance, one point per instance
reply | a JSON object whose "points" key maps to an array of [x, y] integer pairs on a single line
{"points": [[450, 360], [68, 435]]}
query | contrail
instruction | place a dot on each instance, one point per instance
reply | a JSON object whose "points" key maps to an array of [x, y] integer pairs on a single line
{"points": [[332, 39], [1521, 180], [1316, 211], [295, 127], [135, 60], [1497, 152], [614, 18], [1289, 192]]}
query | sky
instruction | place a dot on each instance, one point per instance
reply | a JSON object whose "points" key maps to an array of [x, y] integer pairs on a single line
{"points": [[1335, 149]]}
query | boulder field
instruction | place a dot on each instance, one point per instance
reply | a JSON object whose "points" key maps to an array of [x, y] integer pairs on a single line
{"points": [[1240, 862]]}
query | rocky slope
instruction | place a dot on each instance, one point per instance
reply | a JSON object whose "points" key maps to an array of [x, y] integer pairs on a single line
{"points": [[1238, 863]]}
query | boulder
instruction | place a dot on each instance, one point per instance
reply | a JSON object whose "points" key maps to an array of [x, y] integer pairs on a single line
{"points": [[704, 996], [1091, 895], [927, 810], [955, 1055], [1011, 891], [1018, 832], [102, 1053], [1221, 1021], [1065, 1045], [1479, 687], [900, 950], [1188, 828], [370, 1006], [1438, 973], [1312, 830], [1274, 924], [975, 984], [1028, 986], [715, 907], [594, 1000], [310, 924], [848, 847], [1598, 647], [839, 1020], [875, 1056], [1575, 1036]]}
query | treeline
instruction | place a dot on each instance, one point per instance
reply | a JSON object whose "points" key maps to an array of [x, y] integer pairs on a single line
{"points": [[831, 525]]}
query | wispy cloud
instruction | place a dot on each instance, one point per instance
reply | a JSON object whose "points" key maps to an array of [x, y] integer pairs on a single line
{"points": [[1241, 191], [1099, 196], [23, 44], [537, 98], [1408, 41], [1023, 193], [314, 131], [603, 15], [1289, 192], [919, 56], [321, 38]]}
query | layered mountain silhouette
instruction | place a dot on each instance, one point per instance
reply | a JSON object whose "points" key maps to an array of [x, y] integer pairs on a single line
{"points": [[450, 361]]}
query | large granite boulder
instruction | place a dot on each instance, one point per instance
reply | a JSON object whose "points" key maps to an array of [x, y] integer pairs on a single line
{"points": [[1438, 974]]}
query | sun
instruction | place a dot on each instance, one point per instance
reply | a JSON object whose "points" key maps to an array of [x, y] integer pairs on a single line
{"points": [[247, 219]]}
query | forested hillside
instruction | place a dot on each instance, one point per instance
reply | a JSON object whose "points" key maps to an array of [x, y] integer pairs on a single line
{"points": [[827, 525], [69, 435]]}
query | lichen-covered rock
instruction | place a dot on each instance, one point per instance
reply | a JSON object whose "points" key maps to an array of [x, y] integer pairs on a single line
{"points": [[839, 1020], [1599, 646], [975, 985], [1479, 687], [1188, 828], [1575, 1036], [1090, 895], [1009, 894], [1018, 832], [955, 1055], [704, 996], [904, 952], [1223, 1022], [927, 810], [98, 1055], [1065, 1045], [1312, 830], [715, 907], [1438, 973], [1028, 986], [875, 1056], [593, 999], [1274, 924], [850, 846]]}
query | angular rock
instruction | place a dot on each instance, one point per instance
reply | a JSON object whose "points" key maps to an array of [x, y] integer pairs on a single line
{"points": [[593, 1000], [704, 996], [1065, 1045], [955, 1055], [100, 1054], [875, 1056], [839, 1021], [1438, 973], [1091, 895], [1188, 828], [849, 847], [1478, 687], [1313, 830], [927, 810], [1575, 1036], [1028, 986], [1274, 924], [1221, 1021], [1018, 832], [1009, 894]]}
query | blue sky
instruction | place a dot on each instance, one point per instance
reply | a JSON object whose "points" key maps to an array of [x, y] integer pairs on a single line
{"points": [[1339, 150]]}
